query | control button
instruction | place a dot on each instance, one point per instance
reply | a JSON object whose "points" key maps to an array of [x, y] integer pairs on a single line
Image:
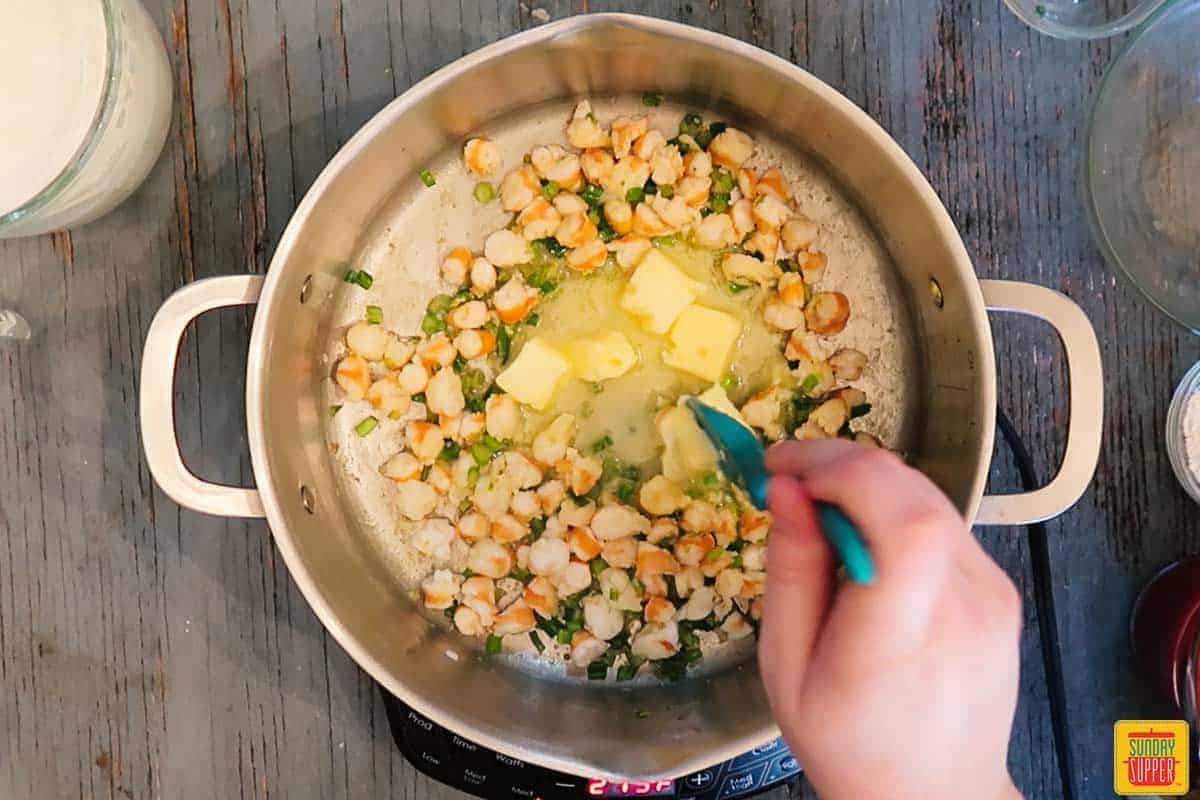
{"points": [[742, 782], [700, 780], [474, 778], [758, 754], [523, 792], [782, 768]]}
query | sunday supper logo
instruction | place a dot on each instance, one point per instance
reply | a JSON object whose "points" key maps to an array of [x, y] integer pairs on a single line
{"points": [[1150, 757]]}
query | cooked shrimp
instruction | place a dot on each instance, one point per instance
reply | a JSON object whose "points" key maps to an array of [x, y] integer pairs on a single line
{"points": [[473, 526], [812, 266], [549, 556], [482, 156], [798, 233], [772, 183], [541, 596], [784, 316], [666, 165], [505, 249], [586, 648], [693, 190], [575, 230], [731, 148], [424, 439], [601, 617], [827, 313], [514, 300], [741, 268], [367, 340], [583, 545], [401, 467], [438, 351], [517, 618], [386, 395], [620, 552], [617, 521], [507, 529], [588, 257], [416, 500], [660, 496], [791, 289], [770, 213], [647, 222], [353, 376], [742, 214], [690, 550], [455, 266], [700, 604], [468, 622], [848, 364], [490, 558], [398, 353], [550, 446], [619, 214], [483, 276], [539, 220], [597, 165], [472, 344], [584, 131], [648, 145], [625, 131], [413, 378], [698, 164], [656, 641], [439, 589], [629, 250], [519, 188]]}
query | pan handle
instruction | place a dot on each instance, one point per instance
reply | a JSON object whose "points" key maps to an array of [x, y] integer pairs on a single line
{"points": [[157, 400], [1086, 420]]}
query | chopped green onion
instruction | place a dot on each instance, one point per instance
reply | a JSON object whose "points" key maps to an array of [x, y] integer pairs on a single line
{"points": [[597, 387], [521, 573], [667, 191], [594, 216], [597, 566], [650, 187], [449, 451], [597, 670], [431, 324], [484, 192], [549, 190], [860, 410], [722, 181], [537, 526], [592, 194], [473, 475], [614, 595], [552, 245], [359, 278], [563, 636], [537, 641], [503, 343], [425, 470], [625, 492], [439, 304], [334, 409], [427, 178], [651, 99], [810, 383], [419, 397], [494, 645], [635, 195], [532, 319], [718, 202], [691, 125], [665, 241], [738, 288], [602, 443], [483, 451], [366, 426], [714, 554], [788, 265], [374, 315], [637, 586], [737, 562], [641, 714], [729, 381], [717, 128]]}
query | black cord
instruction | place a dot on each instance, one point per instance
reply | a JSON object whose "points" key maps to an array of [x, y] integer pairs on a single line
{"points": [[1043, 595]]}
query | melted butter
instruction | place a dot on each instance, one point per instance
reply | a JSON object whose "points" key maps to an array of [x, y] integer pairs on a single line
{"points": [[624, 407]]}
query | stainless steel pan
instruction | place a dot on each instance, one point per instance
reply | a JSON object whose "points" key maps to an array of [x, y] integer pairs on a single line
{"points": [[578, 727]]}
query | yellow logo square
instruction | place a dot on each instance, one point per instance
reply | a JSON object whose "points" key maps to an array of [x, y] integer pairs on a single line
{"points": [[1150, 757]]}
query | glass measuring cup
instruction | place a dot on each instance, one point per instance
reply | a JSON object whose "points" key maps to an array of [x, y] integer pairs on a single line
{"points": [[1082, 19]]}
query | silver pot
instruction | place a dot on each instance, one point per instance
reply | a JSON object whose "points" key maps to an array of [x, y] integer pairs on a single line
{"points": [[629, 732]]}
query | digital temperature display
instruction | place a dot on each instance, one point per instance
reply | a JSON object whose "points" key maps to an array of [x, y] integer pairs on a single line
{"points": [[599, 787]]}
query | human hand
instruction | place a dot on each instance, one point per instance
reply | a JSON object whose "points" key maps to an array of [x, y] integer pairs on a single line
{"points": [[904, 688]]}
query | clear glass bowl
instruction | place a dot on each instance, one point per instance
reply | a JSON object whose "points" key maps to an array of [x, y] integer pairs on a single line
{"points": [[1142, 161], [126, 136], [1082, 19], [1176, 442]]}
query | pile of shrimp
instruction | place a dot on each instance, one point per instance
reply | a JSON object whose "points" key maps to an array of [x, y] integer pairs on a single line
{"points": [[555, 545]]}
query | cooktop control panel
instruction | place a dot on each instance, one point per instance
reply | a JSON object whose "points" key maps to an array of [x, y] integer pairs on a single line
{"points": [[449, 758]]}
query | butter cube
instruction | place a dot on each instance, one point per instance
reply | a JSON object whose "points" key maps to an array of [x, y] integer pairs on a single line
{"points": [[715, 397], [602, 356], [534, 374], [687, 451], [657, 291], [702, 340]]}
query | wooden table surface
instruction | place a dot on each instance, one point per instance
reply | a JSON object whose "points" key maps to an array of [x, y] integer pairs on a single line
{"points": [[147, 651]]}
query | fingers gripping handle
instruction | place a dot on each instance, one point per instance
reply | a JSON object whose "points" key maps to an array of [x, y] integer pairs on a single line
{"points": [[1086, 404], [157, 404]]}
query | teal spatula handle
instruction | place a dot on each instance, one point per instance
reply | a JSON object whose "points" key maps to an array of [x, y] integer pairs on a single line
{"points": [[843, 537], [847, 543]]}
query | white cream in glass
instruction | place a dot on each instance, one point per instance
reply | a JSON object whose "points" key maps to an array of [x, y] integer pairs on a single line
{"points": [[85, 104]]}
